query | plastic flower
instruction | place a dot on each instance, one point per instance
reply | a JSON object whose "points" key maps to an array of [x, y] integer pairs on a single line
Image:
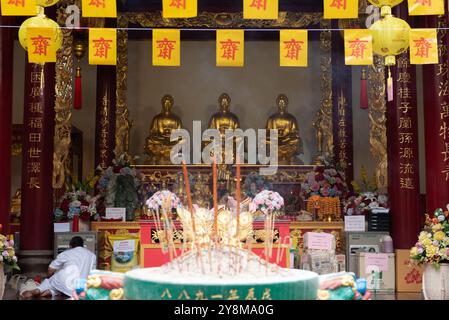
{"points": [[439, 236], [414, 252]]}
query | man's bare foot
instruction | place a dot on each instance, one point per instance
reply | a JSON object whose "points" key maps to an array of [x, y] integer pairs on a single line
{"points": [[46, 294], [30, 294]]}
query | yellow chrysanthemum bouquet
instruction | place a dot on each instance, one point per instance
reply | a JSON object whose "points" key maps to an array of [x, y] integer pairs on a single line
{"points": [[433, 242], [7, 254]]}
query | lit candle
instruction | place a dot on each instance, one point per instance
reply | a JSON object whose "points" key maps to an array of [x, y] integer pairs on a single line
{"points": [[214, 186], [237, 197]]}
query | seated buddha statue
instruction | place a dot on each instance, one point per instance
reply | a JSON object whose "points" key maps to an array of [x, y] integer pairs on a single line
{"points": [[224, 118], [158, 144], [289, 141]]}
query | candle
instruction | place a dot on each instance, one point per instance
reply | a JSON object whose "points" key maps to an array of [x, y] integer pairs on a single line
{"points": [[189, 197], [237, 197], [214, 186]]}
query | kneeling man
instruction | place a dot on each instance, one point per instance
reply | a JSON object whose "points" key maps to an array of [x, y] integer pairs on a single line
{"points": [[65, 270]]}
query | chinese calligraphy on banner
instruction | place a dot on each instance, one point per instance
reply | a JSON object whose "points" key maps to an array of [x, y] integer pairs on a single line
{"points": [[425, 7], [338, 9], [179, 8], [99, 8], [166, 47], [423, 46], [358, 47], [260, 9], [19, 7], [103, 46], [293, 48], [41, 45], [230, 48]]}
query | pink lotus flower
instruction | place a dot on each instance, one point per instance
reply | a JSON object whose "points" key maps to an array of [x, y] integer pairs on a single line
{"points": [[315, 186]]}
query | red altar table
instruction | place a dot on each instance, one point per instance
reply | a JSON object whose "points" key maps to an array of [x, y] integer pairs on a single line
{"points": [[152, 254]]}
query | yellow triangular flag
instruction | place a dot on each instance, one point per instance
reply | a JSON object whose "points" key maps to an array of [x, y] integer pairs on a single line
{"points": [[179, 8], [423, 46], [166, 47], [103, 46], [41, 45], [341, 9], [230, 48], [19, 7], [358, 47], [425, 7], [99, 8], [293, 48], [260, 9]]}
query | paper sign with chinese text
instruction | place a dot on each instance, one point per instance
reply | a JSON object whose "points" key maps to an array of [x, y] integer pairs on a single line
{"points": [[319, 240], [379, 260], [423, 46], [261, 9], [355, 223], [338, 9], [99, 8], [41, 45], [293, 48], [358, 47], [425, 7], [166, 47], [19, 7], [179, 8], [103, 46], [230, 48]]}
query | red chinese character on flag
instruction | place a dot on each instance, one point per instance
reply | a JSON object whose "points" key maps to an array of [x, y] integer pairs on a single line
{"points": [[423, 46], [358, 48], [229, 48], [424, 2], [166, 47], [102, 47], [178, 4], [339, 4], [259, 4], [98, 3], [17, 2], [40, 45], [293, 47]]}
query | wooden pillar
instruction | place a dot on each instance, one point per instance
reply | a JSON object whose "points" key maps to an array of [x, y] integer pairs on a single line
{"points": [[436, 120], [105, 116], [6, 79], [36, 230]]}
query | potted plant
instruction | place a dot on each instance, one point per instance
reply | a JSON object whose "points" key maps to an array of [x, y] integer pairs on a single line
{"points": [[8, 260], [432, 251]]}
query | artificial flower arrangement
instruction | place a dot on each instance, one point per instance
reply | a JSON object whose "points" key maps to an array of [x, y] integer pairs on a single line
{"points": [[163, 199], [120, 186], [325, 181], [76, 202], [433, 242], [366, 196], [7, 254], [267, 202]]}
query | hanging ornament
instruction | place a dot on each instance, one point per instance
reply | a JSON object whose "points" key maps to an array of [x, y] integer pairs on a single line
{"points": [[363, 91], [40, 21], [390, 38], [79, 51], [385, 3], [47, 3]]}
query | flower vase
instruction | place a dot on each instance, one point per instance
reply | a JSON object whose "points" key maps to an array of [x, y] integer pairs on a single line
{"points": [[2, 281], [84, 225], [435, 282]]}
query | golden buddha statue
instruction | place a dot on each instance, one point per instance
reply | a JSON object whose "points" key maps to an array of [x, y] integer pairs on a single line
{"points": [[158, 144], [289, 141], [223, 119]]}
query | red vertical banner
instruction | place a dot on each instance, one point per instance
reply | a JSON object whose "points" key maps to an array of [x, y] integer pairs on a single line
{"points": [[37, 164], [436, 119]]}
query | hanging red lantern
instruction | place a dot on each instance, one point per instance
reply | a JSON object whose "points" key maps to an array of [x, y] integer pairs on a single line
{"points": [[79, 51]]}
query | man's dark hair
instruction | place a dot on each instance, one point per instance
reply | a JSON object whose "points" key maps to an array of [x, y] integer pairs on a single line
{"points": [[76, 242]]}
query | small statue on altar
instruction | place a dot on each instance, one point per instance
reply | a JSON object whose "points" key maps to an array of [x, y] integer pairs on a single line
{"points": [[289, 141], [16, 206], [223, 119], [158, 144]]}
